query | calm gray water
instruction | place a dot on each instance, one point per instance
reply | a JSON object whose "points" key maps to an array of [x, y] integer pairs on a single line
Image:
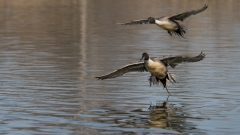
{"points": [[51, 50]]}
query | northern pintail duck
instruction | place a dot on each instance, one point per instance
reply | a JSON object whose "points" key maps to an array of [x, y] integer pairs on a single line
{"points": [[156, 66], [169, 23]]}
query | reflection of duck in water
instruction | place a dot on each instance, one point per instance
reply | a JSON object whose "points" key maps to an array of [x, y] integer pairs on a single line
{"points": [[159, 114], [168, 116], [159, 105]]}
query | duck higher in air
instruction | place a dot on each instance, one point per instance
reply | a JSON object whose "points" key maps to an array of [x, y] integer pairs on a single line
{"points": [[157, 68], [169, 23]]}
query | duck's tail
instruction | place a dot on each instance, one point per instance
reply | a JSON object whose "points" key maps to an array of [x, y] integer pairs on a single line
{"points": [[165, 82], [180, 31]]}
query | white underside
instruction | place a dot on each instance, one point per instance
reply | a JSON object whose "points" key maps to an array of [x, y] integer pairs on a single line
{"points": [[157, 69], [167, 25]]}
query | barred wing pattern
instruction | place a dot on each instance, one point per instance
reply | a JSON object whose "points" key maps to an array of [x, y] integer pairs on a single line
{"points": [[175, 60], [184, 15], [141, 21], [135, 67]]}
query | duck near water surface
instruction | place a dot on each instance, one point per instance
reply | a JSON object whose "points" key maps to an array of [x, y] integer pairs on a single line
{"points": [[156, 66]]}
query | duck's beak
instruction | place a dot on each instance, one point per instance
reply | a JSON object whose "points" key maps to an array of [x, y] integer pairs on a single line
{"points": [[142, 58]]}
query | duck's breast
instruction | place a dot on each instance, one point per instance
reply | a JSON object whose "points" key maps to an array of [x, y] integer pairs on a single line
{"points": [[167, 24], [156, 68]]}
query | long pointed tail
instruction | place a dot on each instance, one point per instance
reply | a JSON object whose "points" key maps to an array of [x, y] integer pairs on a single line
{"points": [[165, 82], [180, 31]]}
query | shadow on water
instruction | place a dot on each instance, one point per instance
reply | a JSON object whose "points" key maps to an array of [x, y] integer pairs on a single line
{"points": [[169, 116], [162, 118]]}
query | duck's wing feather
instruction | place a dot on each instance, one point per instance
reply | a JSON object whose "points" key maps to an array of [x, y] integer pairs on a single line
{"points": [[175, 60], [140, 21], [135, 67], [182, 16]]}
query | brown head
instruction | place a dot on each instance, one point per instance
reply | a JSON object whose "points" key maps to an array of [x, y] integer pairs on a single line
{"points": [[144, 56], [151, 20]]}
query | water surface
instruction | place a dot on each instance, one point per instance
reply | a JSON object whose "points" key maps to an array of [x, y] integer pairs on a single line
{"points": [[52, 50]]}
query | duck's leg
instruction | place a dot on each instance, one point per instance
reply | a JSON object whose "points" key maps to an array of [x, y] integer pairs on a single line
{"points": [[150, 80], [167, 90], [169, 32], [164, 83]]}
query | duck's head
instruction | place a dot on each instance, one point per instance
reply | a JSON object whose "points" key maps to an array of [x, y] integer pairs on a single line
{"points": [[144, 56], [151, 20]]}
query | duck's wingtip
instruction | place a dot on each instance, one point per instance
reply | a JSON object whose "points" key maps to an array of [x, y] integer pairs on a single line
{"points": [[120, 23], [99, 78], [116, 22], [202, 54], [205, 6]]}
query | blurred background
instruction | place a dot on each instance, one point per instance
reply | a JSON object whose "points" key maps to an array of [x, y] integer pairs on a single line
{"points": [[52, 50]]}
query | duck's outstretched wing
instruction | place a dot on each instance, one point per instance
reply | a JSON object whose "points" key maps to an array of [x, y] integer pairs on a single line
{"points": [[182, 16], [135, 67], [175, 60], [141, 21]]}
